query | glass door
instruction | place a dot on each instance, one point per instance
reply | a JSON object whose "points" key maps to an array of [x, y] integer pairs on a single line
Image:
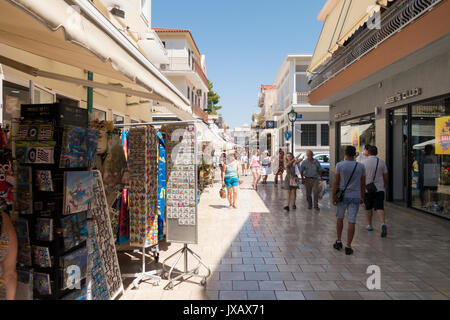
{"points": [[398, 157]]}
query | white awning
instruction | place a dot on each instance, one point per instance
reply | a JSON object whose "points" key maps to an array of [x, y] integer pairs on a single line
{"points": [[81, 36], [422, 145]]}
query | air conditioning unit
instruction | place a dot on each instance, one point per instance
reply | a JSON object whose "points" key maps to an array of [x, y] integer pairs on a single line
{"points": [[118, 12], [164, 66]]}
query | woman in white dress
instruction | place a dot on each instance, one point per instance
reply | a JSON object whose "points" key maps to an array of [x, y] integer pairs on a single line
{"points": [[266, 166]]}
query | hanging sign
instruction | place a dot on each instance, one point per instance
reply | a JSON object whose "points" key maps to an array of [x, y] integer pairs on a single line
{"points": [[287, 135], [442, 135], [270, 124]]}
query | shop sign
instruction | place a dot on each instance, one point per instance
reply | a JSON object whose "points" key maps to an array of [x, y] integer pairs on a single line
{"points": [[355, 139], [270, 124], [442, 135], [403, 95], [342, 114]]}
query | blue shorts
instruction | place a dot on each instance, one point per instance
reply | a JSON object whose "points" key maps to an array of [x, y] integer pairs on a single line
{"points": [[231, 182], [352, 207]]}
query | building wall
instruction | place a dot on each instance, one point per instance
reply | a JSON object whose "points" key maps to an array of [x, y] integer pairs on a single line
{"points": [[431, 76]]}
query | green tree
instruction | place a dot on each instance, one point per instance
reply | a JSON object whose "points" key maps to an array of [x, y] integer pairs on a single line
{"points": [[213, 100]]}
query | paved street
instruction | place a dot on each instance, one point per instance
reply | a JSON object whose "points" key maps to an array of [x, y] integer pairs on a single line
{"points": [[261, 252]]}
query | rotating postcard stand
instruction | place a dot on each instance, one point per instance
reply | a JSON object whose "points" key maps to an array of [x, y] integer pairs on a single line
{"points": [[143, 198], [182, 200]]}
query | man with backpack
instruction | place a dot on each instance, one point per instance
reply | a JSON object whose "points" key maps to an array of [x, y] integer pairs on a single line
{"points": [[377, 181], [348, 194]]}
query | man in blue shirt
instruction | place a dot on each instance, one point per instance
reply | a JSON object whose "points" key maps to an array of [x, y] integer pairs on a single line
{"points": [[351, 179]]}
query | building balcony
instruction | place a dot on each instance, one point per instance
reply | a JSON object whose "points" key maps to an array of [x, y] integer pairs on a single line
{"points": [[179, 66], [198, 111], [301, 98], [393, 20]]}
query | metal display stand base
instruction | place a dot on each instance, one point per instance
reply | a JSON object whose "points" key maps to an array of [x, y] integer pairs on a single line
{"points": [[145, 275], [193, 273]]}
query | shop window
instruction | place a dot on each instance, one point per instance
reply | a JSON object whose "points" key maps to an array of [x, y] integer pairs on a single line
{"points": [[98, 115], [43, 96], [13, 97], [309, 135], [118, 119], [357, 132], [430, 157], [324, 135]]}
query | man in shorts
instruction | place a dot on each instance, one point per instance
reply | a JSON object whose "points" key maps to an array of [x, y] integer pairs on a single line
{"points": [[377, 173], [350, 178]]}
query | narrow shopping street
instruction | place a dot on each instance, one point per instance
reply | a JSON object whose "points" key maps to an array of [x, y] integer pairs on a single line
{"points": [[261, 252]]}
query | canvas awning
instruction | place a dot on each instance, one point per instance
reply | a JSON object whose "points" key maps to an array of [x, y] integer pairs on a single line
{"points": [[340, 24], [77, 34]]}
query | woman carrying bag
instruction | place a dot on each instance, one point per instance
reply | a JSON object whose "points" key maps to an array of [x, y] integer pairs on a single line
{"points": [[291, 180]]}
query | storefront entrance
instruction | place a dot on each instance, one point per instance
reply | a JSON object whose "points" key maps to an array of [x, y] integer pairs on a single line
{"points": [[419, 156]]}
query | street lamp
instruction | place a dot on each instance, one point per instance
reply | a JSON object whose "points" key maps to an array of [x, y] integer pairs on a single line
{"points": [[292, 116]]}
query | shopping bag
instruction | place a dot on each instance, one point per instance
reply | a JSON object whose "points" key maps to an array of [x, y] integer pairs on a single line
{"points": [[223, 193], [322, 189]]}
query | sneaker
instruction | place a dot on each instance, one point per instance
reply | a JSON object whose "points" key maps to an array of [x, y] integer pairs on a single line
{"points": [[286, 208], [348, 250], [383, 231], [337, 245], [369, 228]]}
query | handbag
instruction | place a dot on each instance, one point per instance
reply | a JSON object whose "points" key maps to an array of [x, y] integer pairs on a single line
{"points": [[293, 182], [371, 187], [339, 197], [222, 193]]}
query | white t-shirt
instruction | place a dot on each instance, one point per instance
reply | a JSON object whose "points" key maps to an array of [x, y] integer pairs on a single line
{"points": [[371, 163], [361, 158]]}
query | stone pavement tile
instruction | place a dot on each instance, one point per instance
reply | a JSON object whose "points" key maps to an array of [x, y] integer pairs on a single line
{"points": [[298, 261], [214, 276], [243, 267], [317, 261], [221, 267], [320, 285], [431, 295], [402, 295], [289, 267], [423, 286], [402, 286], [270, 249], [253, 260], [302, 254], [351, 285], [266, 267], [232, 261], [260, 254], [281, 275], [232, 295], [285, 255], [306, 276], [330, 276], [241, 254], [346, 295], [225, 275], [311, 268], [298, 285], [219, 285], [271, 285], [399, 276], [261, 295], [289, 295], [354, 276], [250, 249], [274, 261], [317, 295], [245, 285], [374, 295], [256, 276]]}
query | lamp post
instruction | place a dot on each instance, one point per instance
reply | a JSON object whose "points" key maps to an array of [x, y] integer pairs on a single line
{"points": [[292, 116]]}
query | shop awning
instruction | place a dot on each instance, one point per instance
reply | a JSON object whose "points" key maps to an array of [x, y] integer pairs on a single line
{"points": [[84, 39], [340, 24]]}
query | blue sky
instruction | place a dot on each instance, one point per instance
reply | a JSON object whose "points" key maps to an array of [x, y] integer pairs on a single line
{"points": [[245, 42]]}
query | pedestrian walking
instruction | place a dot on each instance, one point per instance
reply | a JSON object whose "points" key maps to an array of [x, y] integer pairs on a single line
{"points": [[231, 178], [223, 160], [244, 162], [280, 170], [255, 166], [377, 181], [291, 180], [348, 194], [311, 172], [362, 157], [266, 166]]}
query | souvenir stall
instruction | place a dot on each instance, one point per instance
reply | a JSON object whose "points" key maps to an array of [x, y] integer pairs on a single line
{"points": [[66, 245]]}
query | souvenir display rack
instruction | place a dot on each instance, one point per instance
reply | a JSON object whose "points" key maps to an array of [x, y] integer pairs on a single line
{"points": [[182, 198]]}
